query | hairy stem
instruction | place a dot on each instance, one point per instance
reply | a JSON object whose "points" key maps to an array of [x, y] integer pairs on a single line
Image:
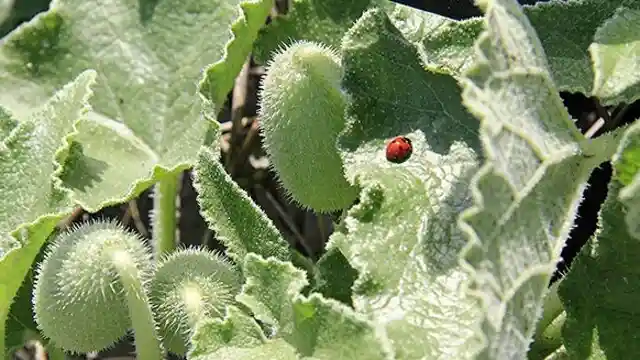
{"points": [[548, 337], [552, 308], [147, 340], [305, 263], [164, 215], [550, 340]]}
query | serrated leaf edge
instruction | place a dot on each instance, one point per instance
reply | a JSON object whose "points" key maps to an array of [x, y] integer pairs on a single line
{"points": [[62, 151], [242, 21], [159, 171], [22, 232]]}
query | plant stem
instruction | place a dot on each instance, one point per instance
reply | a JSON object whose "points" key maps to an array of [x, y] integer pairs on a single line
{"points": [[164, 220], [303, 262], [551, 309], [147, 340], [548, 337], [550, 340]]}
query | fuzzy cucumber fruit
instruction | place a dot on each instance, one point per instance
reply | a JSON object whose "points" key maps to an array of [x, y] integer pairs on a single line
{"points": [[301, 114]]}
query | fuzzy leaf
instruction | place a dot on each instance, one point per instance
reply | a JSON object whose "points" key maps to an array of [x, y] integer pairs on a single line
{"points": [[316, 327], [149, 120], [32, 201], [237, 336], [402, 237], [236, 330], [272, 350], [269, 290], [527, 192], [322, 21], [599, 293], [565, 28], [447, 44], [238, 222], [615, 54], [442, 43]]}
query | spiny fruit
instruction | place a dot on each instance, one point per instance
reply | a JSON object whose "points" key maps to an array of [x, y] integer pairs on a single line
{"points": [[301, 114], [79, 300], [190, 285]]}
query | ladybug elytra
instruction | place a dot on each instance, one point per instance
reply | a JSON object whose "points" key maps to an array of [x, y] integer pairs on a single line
{"points": [[399, 149]]}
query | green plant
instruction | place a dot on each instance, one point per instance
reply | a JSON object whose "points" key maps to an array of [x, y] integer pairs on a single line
{"points": [[447, 255], [106, 288], [306, 73]]}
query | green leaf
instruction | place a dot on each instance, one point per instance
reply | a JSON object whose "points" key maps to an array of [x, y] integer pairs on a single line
{"points": [[236, 330], [402, 237], [149, 120], [221, 75], [565, 28], [442, 43], [238, 222], [32, 202], [20, 11], [238, 336], [527, 192], [272, 350], [316, 327], [615, 52], [322, 21], [335, 277], [627, 162], [269, 290], [599, 292], [20, 322]]}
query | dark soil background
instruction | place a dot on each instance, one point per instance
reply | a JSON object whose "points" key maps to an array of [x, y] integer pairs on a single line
{"points": [[245, 160]]}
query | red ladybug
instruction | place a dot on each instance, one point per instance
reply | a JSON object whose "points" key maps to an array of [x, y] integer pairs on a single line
{"points": [[399, 149]]}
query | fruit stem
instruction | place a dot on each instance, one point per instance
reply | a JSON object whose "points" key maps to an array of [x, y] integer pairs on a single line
{"points": [[147, 340], [164, 219]]}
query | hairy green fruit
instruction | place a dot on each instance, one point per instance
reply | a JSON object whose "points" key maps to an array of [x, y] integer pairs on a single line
{"points": [[190, 285], [301, 114], [79, 299]]}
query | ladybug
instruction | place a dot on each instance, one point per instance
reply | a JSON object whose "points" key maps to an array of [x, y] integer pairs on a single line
{"points": [[399, 149]]}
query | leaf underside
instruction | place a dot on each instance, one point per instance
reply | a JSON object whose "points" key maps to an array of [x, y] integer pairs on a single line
{"points": [[31, 150], [527, 191], [148, 118]]}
